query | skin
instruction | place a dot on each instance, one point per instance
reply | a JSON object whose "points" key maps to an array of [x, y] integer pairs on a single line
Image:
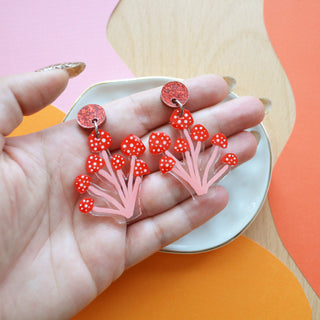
{"points": [[55, 260]]}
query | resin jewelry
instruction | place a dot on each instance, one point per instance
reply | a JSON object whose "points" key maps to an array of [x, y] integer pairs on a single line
{"points": [[192, 162], [114, 187]]}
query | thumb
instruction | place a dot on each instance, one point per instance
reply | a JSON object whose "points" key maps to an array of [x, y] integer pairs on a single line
{"points": [[25, 94]]}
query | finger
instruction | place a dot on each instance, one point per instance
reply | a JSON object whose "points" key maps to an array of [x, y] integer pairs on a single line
{"points": [[232, 116], [149, 235], [144, 111], [26, 94], [160, 193]]}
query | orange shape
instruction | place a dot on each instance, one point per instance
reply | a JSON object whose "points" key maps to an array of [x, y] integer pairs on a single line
{"points": [[239, 281], [294, 30], [43, 119]]}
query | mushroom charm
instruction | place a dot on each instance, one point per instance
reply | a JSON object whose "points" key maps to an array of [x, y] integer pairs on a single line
{"points": [[117, 195], [199, 169]]}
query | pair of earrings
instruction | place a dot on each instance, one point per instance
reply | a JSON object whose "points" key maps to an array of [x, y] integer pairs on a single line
{"points": [[114, 189]]}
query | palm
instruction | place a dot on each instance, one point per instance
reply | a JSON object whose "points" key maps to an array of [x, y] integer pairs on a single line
{"points": [[51, 254], [50, 241]]}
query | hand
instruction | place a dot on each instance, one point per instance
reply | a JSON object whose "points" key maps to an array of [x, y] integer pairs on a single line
{"points": [[55, 260]]}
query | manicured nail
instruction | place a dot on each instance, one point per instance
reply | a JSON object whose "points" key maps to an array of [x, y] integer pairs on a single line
{"points": [[73, 68], [267, 104], [231, 82], [257, 135]]}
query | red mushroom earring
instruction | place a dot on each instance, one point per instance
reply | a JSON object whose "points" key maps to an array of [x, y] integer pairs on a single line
{"points": [[113, 190], [196, 166]]}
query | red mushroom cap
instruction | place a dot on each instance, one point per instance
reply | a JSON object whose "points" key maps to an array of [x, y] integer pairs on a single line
{"points": [[220, 140], [132, 146], [166, 164], [181, 145], [82, 183], [159, 142], [94, 163], [230, 159], [103, 143], [183, 122], [86, 205], [140, 168], [117, 161], [199, 133]]}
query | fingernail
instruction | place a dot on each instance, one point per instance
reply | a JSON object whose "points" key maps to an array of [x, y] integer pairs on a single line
{"points": [[73, 68], [267, 104], [257, 135], [231, 82]]}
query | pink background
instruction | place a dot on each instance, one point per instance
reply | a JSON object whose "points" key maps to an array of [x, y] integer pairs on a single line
{"points": [[49, 32]]}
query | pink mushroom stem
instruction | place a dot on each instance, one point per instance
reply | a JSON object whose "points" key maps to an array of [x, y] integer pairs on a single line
{"points": [[115, 182], [182, 175], [122, 182], [133, 197], [100, 211], [187, 135], [189, 163], [130, 179], [112, 177], [212, 159], [178, 168], [196, 153], [218, 175], [193, 162], [103, 195], [105, 174]]}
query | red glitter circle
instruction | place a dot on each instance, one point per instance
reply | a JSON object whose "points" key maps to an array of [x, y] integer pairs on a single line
{"points": [[174, 90], [88, 114]]}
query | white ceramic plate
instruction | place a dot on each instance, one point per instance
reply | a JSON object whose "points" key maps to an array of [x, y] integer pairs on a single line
{"points": [[247, 184]]}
